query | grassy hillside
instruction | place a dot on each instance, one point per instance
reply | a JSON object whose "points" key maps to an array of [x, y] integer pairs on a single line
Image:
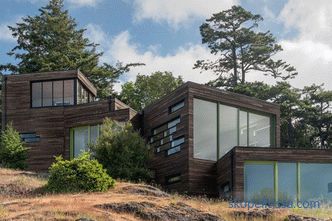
{"points": [[22, 198]]}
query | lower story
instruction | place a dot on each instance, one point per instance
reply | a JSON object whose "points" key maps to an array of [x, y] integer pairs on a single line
{"points": [[275, 174]]}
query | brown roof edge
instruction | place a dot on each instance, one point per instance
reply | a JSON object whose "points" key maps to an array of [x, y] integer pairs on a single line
{"points": [[86, 82]]}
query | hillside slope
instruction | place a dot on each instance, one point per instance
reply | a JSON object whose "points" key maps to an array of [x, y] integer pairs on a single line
{"points": [[22, 198]]}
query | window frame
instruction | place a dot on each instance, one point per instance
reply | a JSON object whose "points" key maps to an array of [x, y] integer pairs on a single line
{"points": [[76, 81]]}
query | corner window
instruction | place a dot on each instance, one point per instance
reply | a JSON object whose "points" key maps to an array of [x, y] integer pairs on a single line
{"points": [[52, 93]]}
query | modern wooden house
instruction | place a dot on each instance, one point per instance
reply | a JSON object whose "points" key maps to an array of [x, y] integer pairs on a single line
{"points": [[204, 140], [56, 113], [208, 141]]}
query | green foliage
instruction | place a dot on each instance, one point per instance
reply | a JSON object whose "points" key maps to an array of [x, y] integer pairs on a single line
{"points": [[51, 41], [122, 151], [147, 89], [13, 154], [232, 36], [78, 175]]}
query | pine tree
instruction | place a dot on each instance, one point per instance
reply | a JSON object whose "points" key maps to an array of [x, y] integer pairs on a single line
{"points": [[52, 41]]}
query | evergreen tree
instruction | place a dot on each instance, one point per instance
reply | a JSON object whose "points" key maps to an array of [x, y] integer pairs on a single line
{"points": [[52, 41], [232, 36]]}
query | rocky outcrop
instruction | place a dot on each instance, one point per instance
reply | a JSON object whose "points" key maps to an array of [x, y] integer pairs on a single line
{"points": [[304, 218], [151, 211]]}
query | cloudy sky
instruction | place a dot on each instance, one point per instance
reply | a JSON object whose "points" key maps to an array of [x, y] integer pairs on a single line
{"points": [[164, 34]]}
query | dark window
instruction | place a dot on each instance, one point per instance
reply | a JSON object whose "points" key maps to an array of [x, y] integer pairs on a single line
{"points": [[58, 93], [176, 106], [36, 94], [173, 179], [68, 92], [29, 137], [82, 94], [47, 93]]}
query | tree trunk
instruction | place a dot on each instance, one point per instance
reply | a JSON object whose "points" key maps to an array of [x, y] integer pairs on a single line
{"points": [[243, 79], [235, 77]]}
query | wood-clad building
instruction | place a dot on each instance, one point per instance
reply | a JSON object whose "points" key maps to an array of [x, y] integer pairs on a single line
{"points": [[46, 108], [203, 140]]}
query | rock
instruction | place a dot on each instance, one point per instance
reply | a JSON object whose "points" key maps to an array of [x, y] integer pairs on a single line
{"points": [[150, 211], [144, 190], [254, 213], [84, 219], [293, 217]]}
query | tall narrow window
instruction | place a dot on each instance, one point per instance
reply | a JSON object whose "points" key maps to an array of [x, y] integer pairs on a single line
{"points": [[259, 130], [47, 93], [243, 128], [36, 94], [227, 129], [287, 182], [68, 92], [57, 93], [205, 130], [81, 140]]}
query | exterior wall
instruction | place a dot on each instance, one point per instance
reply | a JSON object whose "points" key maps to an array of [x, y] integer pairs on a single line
{"points": [[198, 176], [52, 124], [239, 155], [157, 114]]}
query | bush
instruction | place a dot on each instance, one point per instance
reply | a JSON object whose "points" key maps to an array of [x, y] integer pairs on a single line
{"points": [[122, 151], [13, 154], [78, 175]]}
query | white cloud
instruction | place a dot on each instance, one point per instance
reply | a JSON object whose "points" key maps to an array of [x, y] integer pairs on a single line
{"points": [[81, 3], [181, 62], [6, 34], [95, 34], [311, 50], [176, 12]]}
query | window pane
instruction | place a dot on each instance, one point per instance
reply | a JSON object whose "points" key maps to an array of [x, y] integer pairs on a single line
{"points": [[94, 133], [205, 130], [316, 181], [287, 182], [57, 93], [259, 130], [227, 129], [81, 139], [36, 94], [68, 92], [259, 182], [47, 93], [177, 106], [243, 128]]}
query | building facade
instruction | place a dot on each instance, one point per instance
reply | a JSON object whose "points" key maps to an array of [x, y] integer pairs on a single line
{"points": [[203, 140]]}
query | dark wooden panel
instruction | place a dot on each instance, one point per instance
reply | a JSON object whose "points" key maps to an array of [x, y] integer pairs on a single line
{"points": [[242, 154], [52, 123]]}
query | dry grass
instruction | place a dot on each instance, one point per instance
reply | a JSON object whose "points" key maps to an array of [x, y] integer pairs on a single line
{"points": [[21, 200]]}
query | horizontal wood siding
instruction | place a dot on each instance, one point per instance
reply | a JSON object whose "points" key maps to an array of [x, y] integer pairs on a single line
{"points": [[52, 124], [242, 154]]}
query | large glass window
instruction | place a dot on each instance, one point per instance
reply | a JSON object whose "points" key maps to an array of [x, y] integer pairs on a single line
{"points": [[47, 93], [227, 128], [259, 130], [57, 93], [205, 130], [287, 182], [82, 137], [259, 182], [68, 87], [36, 94], [243, 128], [316, 181]]}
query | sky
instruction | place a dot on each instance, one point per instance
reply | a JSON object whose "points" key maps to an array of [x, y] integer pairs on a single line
{"points": [[164, 34]]}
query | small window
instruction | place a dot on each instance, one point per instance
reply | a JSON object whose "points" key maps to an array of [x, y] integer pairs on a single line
{"points": [[173, 179], [29, 137], [173, 150], [176, 106], [173, 122]]}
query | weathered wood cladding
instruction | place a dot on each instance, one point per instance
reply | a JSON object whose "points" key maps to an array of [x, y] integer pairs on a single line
{"points": [[200, 175], [156, 115], [239, 155], [52, 124]]}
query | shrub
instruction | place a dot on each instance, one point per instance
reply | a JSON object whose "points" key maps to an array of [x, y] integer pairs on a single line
{"points": [[13, 154], [122, 151], [81, 174]]}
